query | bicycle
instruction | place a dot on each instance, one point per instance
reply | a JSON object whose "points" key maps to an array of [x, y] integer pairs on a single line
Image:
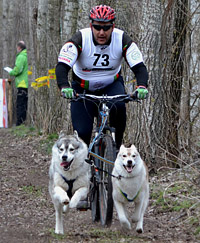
{"points": [[102, 154]]}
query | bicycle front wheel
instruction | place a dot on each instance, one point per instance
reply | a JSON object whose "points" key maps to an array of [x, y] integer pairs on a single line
{"points": [[94, 199], [108, 151]]}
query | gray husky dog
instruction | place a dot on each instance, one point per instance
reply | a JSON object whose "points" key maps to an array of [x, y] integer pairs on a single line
{"points": [[132, 187], [69, 175]]}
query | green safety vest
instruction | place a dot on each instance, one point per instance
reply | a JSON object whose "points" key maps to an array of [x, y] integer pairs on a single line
{"points": [[20, 71]]}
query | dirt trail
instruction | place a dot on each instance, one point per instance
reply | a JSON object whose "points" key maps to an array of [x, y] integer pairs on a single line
{"points": [[27, 213]]}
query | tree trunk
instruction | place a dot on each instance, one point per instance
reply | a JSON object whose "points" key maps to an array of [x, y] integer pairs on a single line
{"points": [[177, 75]]}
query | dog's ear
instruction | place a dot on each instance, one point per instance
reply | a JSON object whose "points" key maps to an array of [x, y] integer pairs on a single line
{"points": [[121, 148], [134, 149], [133, 146], [81, 142], [76, 134], [62, 134]]}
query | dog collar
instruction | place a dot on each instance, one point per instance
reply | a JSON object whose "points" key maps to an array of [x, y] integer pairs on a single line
{"points": [[126, 196], [70, 185]]}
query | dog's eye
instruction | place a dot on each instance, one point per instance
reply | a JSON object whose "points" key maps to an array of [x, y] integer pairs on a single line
{"points": [[133, 155], [71, 149], [61, 149], [124, 155]]}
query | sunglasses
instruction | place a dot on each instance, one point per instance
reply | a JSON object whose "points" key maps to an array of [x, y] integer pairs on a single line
{"points": [[104, 27]]}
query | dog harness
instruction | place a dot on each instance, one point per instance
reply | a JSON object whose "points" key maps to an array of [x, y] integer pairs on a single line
{"points": [[70, 185], [126, 196]]}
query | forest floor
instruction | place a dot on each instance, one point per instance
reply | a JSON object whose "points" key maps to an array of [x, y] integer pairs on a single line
{"points": [[27, 213]]}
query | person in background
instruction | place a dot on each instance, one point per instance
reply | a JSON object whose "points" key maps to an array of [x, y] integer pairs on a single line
{"points": [[95, 55], [20, 71]]}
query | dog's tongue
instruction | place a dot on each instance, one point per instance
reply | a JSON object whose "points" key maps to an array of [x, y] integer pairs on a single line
{"points": [[64, 164], [129, 169]]}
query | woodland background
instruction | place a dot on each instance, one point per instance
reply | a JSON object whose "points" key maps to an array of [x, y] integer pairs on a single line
{"points": [[166, 127]]}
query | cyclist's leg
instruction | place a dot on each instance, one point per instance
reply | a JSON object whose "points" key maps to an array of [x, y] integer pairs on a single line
{"points": [[82, 114], [118, 111]]}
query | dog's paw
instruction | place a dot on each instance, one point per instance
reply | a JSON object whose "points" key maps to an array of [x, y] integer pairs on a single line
{"points": [[66, 202], [126, 226], [73, 203], [61, 196], [59, 232], [59, 228], [63, 199], [134, 219], [139, 227], [139, 230]]}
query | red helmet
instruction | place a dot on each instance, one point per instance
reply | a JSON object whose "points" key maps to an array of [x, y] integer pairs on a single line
{"points": [[102, 13]]}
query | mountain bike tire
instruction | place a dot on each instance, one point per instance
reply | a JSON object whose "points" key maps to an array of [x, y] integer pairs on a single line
{"points": [[94, 199], [107, 151]]}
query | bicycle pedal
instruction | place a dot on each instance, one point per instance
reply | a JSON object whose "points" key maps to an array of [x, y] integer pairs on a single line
{"points": [[83, 209], [82, 205]]}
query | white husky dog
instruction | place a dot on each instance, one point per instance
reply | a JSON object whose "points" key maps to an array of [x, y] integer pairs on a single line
{"points": [[130, 186], [69, 175]]}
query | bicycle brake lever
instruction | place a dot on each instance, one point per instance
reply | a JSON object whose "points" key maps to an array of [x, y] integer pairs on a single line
{"points": [[133, 97]]}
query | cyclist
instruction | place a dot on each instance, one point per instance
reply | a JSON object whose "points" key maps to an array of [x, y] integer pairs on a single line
{"points": [[95, 55]]}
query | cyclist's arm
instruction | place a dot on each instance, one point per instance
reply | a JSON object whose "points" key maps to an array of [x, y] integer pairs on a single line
{"points": [[134, 58], [66, 59], [141, 74], [62, 70]]}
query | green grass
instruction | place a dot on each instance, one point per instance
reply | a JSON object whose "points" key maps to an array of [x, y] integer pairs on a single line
{"points": [[32, 190], [197, 231], [46, 142], [106, 235], [23, 131], [172, 199], [102, 235], [195, 221], [158, 199], [56, 236]]}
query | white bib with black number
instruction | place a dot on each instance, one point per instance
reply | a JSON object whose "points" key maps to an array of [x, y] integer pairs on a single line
{"points": [[99, 64]]}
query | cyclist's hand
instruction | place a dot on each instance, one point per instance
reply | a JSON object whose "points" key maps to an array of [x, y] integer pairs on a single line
{"points": [[141, 92], [67, 93]]}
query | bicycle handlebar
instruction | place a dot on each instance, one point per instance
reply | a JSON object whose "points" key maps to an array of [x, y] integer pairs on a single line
{"points": [[120, 97]]}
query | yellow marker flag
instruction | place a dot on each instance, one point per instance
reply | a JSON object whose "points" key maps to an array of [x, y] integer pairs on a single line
{"points": [[42, 81], [36, 85], [30, 72], [52, 71]]}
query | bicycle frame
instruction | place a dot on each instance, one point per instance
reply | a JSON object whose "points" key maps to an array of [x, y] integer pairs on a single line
{"points": [[103, 116], [102, 121]]}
